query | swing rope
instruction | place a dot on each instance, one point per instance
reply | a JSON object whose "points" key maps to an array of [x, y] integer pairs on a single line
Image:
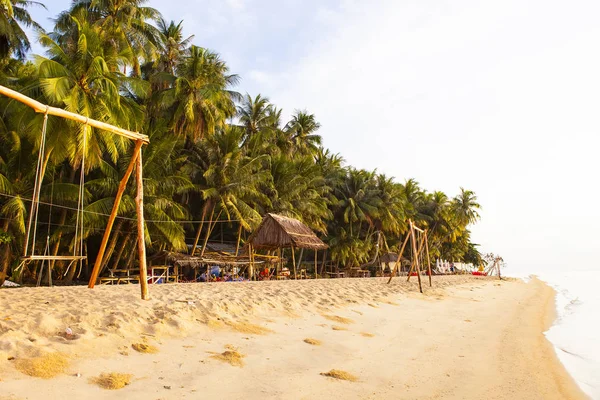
{"points": [[31, 236], [35, 201]]}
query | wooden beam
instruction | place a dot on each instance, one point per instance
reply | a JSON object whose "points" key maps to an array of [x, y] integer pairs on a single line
{"points": [[419, 251], [294, 262], [59, 112], [398, 261], [417, 228], [113, 214], [428, 259], [139, 205], [53, 258], [415, 251]]}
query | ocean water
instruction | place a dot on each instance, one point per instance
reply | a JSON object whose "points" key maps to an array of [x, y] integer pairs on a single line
{"points": [[576, 331]]}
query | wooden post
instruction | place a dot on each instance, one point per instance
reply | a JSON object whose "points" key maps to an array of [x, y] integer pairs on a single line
{"points": [[113, 214], [139, 203], [428, 259], [300, 259], [316, 266], [414, 247], [398, 261], [294, 262], [237, 246], [279, 264], [419, 251], [323, 263], [251, 264]]}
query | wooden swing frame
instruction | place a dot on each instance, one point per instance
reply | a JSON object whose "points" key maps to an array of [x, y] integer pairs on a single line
{"points": [[136, 161], [417, 249]]}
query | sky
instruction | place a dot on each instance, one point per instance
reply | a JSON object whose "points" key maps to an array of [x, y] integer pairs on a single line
{"points": [[498, 97]]}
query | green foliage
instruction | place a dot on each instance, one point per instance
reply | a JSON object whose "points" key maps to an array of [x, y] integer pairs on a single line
{"points": [[120, 62]]}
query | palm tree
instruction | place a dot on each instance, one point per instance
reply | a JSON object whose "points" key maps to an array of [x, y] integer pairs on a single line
{"points": [[465, 207], [83, 80], [301, 133], [358, 200], [299, 190], [172, 45], [200, 100], [391, 217], [13, 39], [122, 24], [228, 180]]}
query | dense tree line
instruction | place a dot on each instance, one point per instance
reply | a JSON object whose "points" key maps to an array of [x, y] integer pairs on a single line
{"points": [[214, 154]]}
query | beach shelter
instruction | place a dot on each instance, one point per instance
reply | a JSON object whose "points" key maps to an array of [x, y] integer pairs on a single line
{"points": [[277, 232]]}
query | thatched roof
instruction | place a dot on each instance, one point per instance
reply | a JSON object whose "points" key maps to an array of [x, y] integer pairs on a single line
{"points": [[277, 231], [211, 258]]}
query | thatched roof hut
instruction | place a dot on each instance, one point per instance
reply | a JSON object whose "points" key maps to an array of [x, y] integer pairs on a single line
{"points": [[276, 231], [210, 258]]}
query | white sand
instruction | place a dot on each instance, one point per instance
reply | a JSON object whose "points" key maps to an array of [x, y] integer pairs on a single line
{"points": [[465, 338]]}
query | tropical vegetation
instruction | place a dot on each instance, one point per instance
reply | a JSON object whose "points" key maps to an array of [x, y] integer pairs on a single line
{"points": [[217, 160]]}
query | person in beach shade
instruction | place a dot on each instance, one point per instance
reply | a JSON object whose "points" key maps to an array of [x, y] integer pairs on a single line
{"points": [[264, 274]]}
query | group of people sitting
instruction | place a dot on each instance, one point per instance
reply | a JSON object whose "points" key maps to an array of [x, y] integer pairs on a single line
{"points": [[267, 273]]}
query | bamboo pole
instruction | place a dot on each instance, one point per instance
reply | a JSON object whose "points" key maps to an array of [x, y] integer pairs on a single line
{"points": [[294, 262], [428, 259], [414, 247], [419, 251], [204, 208], [251, 264], [300, 259], [139, 202], [42, 108], [237, 246], [398, 261], [279, 265], [323, 263], [316, 264], [113, 214]]}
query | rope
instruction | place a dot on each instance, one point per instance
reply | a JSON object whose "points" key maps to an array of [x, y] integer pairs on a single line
{"points": [[124, 218], [37, 187], [78, 246]]}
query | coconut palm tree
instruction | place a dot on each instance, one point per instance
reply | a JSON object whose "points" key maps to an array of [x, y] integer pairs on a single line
{"points": [[299, 190], [199, 98], [301, 133], [13, 17], [124, 26], [227, 181], [465, 207], [83, 79], [172, 45], [359, 201]]}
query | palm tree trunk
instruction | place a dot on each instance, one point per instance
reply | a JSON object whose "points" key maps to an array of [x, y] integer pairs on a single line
{"points": [[131, 255], [5, 255], [237, 247], [300, 258], [111, 246], [204, 209], [121, 251], [211, 226]]}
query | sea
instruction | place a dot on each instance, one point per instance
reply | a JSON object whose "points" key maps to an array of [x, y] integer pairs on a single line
{"points": [[576, 332]]}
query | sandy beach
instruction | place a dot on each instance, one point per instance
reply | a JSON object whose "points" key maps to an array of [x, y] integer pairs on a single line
{"points": [[465, 338]]}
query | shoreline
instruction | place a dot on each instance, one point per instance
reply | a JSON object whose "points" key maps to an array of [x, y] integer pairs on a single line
{"points": [[575, 313], [464, 338]]}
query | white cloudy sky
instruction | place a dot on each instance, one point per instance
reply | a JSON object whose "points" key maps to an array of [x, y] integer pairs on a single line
{"points": [[501, 97]]}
